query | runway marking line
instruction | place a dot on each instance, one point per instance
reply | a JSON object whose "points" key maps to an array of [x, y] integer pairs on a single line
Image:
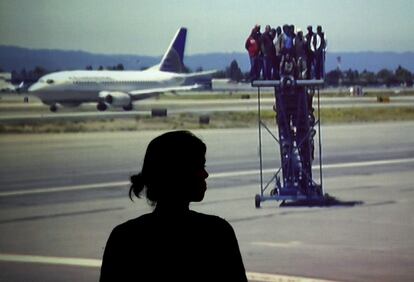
{"points": [[328, 166], [51, 260], [64, 188], [212, 176], [290, 244], [96, 263]]}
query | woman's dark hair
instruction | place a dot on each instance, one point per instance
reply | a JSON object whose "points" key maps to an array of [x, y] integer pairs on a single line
{"points": [[167, 160]]}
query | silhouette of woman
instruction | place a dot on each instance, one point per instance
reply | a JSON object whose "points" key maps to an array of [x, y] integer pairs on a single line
{"points": [[173, 243]]}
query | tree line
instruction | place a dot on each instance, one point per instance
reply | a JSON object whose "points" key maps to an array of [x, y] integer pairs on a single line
{"points": [[399, 77]]}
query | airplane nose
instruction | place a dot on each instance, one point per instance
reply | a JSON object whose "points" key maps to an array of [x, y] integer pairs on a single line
{"points": [[35, 87]]}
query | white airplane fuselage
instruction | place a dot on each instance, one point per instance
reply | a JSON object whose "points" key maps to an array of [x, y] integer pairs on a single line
{"points": [[72, 87]]}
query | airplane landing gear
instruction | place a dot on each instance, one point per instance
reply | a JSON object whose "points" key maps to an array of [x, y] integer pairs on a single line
{"points": [[53, 108], [128, 107], [101, 107]]}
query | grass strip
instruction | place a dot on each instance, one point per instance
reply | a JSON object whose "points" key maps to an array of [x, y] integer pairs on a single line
{"points": [[217, 120]]}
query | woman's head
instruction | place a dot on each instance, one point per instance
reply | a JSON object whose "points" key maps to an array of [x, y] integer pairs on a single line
{"points": [[173, 169]]}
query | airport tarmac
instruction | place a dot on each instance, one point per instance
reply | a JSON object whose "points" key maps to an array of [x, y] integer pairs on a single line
{"points": [[13, 110], [61, 194]]}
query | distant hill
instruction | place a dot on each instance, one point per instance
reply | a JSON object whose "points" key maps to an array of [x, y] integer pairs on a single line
{"points": [[372, 61], [16, 58]]}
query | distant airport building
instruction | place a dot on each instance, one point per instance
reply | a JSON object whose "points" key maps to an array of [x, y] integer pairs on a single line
{"points": [[5, 85], [5, 76], [356, 91]]}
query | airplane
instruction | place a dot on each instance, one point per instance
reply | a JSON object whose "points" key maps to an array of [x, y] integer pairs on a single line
{"points": [[119, 89]]}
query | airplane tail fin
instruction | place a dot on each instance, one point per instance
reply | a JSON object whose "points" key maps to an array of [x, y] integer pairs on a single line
{"points": [[172, 61]]}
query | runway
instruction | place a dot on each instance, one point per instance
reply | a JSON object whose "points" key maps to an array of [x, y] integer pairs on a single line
{"points": [[61, 194]]}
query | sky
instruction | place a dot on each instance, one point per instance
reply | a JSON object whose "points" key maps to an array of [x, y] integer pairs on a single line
{"points": [[146, 27]]}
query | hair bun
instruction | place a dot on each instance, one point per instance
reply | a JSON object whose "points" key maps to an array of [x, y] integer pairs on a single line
{"points": [[137, 185]]}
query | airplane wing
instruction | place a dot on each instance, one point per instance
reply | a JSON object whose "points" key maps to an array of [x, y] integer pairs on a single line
{"points": [[145, 93]]}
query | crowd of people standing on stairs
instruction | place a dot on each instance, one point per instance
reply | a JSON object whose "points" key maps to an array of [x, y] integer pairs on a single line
{"points": [[278, 51]]}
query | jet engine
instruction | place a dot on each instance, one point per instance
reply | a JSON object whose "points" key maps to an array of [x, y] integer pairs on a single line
{"points": [[117, 99]]}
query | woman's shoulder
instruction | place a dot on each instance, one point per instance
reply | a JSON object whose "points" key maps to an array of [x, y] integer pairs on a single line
{"points": [[135, 223], [205, 216], [210, 219]]}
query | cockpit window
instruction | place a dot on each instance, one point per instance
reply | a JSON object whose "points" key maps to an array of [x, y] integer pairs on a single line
{"points": [[50, 81]]}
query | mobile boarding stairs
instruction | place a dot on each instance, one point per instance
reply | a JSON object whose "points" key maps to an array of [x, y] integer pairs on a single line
{"points": [[298, 124]]}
